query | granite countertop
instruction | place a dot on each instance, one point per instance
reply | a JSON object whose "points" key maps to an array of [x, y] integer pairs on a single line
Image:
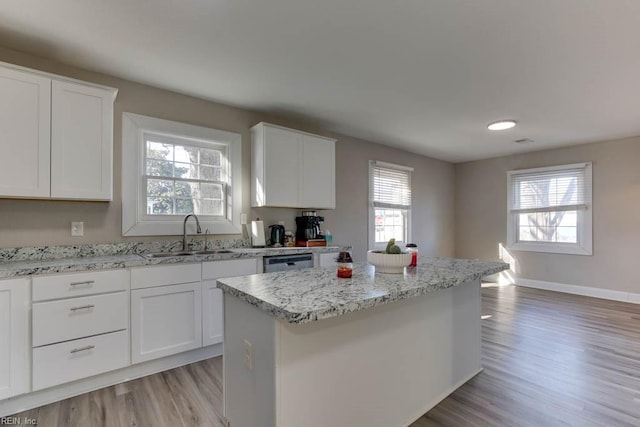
{"points": [[313, 294], [43, 260]]}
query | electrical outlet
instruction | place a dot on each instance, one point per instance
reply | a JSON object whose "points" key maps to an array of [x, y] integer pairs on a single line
{"points": [[248, 355], [77, 229], [243, 219]]}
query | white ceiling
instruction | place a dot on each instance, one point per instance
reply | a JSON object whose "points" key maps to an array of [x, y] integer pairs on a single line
{"points": [[423, 75]]}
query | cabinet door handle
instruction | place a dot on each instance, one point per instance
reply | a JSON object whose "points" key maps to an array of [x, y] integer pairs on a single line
{"points": [[85, 282], [78, 350], [82, 307]]}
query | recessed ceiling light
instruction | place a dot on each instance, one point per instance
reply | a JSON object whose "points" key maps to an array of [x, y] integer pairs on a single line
{"points": [[501, 125]]}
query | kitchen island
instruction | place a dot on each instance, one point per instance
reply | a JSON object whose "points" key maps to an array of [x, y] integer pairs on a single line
{"points": [[305, 348]]}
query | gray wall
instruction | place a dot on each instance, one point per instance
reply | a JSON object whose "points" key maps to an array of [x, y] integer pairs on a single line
{"points": [[38, 222], [481, 215]]}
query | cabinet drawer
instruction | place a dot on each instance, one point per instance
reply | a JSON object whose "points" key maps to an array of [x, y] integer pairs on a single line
{"points": [[147, 277], [229, 268], [69, 361], [78, 284], [68, 319]]}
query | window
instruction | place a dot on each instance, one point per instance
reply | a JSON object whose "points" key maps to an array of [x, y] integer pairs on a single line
{"points": [[390, 204], [549, 209], [183, 177], [171, 169]]}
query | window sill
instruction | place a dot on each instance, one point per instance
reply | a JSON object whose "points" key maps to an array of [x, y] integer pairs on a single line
{"points": [[557, 248]]}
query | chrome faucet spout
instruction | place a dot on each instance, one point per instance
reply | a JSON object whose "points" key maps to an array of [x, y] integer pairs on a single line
{"points": [[184, 230]]}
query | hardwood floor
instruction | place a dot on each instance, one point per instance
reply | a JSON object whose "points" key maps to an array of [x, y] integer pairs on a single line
{"points": [[550, 359], [188, 396]]}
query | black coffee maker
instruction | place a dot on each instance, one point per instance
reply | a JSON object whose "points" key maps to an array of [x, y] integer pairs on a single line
{"points": [[308, 228]]}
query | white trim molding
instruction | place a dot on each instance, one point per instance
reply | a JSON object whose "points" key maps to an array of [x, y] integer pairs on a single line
{"points": [[584, 244], [49, 395], [135, 222], [406, 209], [587, 291]]}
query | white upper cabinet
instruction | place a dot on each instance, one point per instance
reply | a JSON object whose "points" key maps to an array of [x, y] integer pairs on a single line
{"points": [[56, 136], [318, 173], [25, 118], [291, 168], [81, 142]]}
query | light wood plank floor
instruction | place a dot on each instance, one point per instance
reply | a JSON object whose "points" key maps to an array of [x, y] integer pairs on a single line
{"points": [[550, 359]]}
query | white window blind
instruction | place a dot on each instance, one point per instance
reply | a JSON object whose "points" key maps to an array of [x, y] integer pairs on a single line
{"points": [[548, 190], [391, 186]]}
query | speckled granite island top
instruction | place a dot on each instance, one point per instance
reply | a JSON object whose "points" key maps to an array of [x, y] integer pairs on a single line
{"points": [[313, 294]]}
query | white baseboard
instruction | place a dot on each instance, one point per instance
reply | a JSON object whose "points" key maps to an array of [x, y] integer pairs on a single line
{"points": [[36, 399], [580, 290], [502, 278]]}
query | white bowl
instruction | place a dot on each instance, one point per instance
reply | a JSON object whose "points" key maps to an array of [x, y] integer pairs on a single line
{"points": [[389, 263]]}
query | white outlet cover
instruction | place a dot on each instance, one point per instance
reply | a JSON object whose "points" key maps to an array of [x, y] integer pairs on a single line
{"points": [[77, 229]]}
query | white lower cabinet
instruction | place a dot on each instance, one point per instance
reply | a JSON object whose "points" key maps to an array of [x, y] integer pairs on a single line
{"points": [[68, 319], [71, 360], [327, 259], [59, 328], [212, 305], [212, 313], [14, 337], [80, 326], [165, 320]]}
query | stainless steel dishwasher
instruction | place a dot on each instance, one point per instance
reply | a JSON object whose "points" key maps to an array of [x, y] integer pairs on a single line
{"points": [[287, 262]]}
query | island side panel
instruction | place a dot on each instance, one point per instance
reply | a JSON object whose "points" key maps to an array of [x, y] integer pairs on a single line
{"points": [[249, 391], [380, 367]]}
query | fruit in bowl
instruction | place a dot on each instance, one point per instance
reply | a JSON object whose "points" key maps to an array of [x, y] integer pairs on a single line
{"points": [[391, 260]]}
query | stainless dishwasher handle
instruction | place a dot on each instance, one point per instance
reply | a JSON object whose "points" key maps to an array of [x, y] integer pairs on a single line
{"points": [[78, 350], [86, 282], [82, 307]]}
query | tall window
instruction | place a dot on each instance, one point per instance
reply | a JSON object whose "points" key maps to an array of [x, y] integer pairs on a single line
{"points": [[390, 203], [171, 169], [550, 209]]}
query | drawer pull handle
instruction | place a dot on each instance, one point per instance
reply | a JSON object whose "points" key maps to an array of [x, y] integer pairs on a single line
{"points": [[78, 350], [82, 307], [85, 282]]}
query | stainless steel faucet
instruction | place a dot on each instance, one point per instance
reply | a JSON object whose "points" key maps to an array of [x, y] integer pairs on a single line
{"points": [[184, 230]]}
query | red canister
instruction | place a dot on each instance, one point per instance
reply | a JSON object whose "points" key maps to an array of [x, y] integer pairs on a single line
{"points": [[345, 265], [412, 248]]}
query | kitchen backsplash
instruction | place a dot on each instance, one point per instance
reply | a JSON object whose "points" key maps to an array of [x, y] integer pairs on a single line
{"points": [[43, 253]]}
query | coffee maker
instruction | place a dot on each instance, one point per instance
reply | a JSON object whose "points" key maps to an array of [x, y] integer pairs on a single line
{"points": [[308, 229]]}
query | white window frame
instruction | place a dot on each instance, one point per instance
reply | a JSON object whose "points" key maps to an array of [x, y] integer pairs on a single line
{"points": [[135, 220], [584, 245], [372, 210]]}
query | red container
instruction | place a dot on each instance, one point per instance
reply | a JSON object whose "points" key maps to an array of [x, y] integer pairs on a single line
{"points": [[412, 248], [345, 265]]}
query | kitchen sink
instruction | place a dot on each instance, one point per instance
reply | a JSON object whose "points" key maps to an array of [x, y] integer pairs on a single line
{"points": [[185, 253], [213, 251], [167, 254]]}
